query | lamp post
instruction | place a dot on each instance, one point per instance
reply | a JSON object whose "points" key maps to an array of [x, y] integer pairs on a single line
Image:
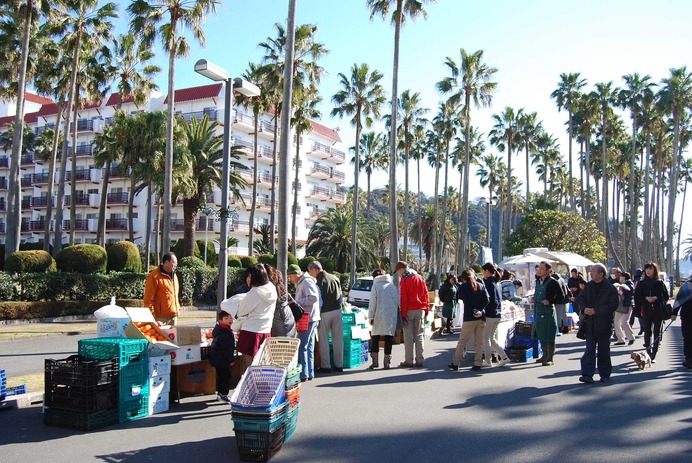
{"points": [[218, 74], [207, 211]]}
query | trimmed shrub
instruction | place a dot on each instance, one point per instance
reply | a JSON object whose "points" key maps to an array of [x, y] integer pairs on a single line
{"points": [[305, 261], [234, 262], [478, 269], [247, 261], [327, 264], [345, 280], [291, 259], [212, 255], [267, 259], [123, 256], [178, 249], [6, 287], [44, 309], [191, 262], [30, 261], [82, 258]]}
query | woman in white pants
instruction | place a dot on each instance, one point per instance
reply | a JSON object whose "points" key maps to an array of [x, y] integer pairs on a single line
{"points": [[623, 330], [493, 316]]}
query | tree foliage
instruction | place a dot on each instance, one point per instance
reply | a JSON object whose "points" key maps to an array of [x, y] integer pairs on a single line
{"points": [[558, 231]]}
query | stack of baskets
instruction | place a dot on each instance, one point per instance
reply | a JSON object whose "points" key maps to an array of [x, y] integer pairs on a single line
{"points": [[266, 402], [3, 384]]}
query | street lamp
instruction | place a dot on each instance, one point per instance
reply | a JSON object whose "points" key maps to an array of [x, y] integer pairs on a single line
{"points": [[218, 74]]}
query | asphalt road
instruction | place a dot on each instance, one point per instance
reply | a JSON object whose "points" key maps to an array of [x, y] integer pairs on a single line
{"points": [[25, 356], [519, 413]]}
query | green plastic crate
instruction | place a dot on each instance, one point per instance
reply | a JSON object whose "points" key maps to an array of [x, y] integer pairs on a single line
{"points": [[80, 421], [125, 350]]}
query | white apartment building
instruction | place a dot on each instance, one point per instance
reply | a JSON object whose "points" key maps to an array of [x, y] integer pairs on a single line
{"points": [[321, 172]]}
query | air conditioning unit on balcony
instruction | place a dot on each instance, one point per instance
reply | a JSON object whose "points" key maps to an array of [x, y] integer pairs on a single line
{"points": [[96, 175], [98, 125], [94, 199], [93, 225]]}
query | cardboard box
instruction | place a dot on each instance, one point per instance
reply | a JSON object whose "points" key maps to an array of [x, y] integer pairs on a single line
{"points": [[196, 378], [183, 335], [186, 354], [111, 327], [159, 402], [142, 314], [159, 384], [159, 365]]}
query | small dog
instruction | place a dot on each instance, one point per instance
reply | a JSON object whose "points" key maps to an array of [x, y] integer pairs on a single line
{"points": [[641, 358]]}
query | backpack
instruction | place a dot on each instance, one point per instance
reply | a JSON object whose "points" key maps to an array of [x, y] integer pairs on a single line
{"points": [[566, 293]]}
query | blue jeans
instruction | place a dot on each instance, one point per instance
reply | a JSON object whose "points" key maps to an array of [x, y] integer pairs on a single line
{"points": [[588, 360], [306, 353]]}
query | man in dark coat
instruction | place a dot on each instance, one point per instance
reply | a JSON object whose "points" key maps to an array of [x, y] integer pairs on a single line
{"points": [[600, 302]]}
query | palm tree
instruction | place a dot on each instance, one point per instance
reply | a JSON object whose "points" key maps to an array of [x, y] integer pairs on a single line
{"points": [[488, 177], [106, 153], [529, 129], [470, 81], [566, 95], [203, 162], [587, 109], [402, 8], [638, 89], [134, 73], [503, 135], [168, 20], [87, 27], [675, 97], [259, 105], [27, 14], [371, 147], [361, 96]]}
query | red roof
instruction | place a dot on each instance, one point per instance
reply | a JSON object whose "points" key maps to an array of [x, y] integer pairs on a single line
{"points": [[324, 130], [32, 97], [196, 93], [113, 99], [28, 118]]}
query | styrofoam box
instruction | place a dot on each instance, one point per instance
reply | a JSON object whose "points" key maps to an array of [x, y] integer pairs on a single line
{"points": [[186, 354], [111, 327], [155, 351], [158, 402], [161, 383], [160, 365]]}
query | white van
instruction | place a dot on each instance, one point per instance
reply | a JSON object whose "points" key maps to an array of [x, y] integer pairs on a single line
{"points": [[359, 294]]}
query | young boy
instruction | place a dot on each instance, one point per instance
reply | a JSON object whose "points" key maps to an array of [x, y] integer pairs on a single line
{"points": [[221, 354]]}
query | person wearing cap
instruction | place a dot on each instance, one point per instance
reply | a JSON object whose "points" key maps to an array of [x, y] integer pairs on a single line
{"points": [[330, 318], [683, 307], [414, 305], [309, 298]]}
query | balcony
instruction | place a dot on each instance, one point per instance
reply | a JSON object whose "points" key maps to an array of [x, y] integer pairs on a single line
{"points": [[27, 160], [5, 162], [79, 224], [85, 125], [266, 178], [3, 183], [244, 119], [26, 226], [38, 225], [40, 179], [2, 228], [244, 145], [327, 152], [43, 128], [84, 150], [210, 113], [239, 226], [39, 202], [26, 204], [204, 224], [118, 198], [320, 193], [3, 204], [81, 200], [315, 213], [27, 180], [116, 224], [117, 171], [177, 224], [81, 175]]}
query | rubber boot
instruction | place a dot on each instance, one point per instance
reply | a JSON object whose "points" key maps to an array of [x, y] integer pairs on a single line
{"points": [[549, 353], [375, 357], [387, 361]]}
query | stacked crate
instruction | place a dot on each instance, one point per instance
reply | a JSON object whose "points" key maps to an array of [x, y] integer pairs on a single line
{"points": [[81, 393], [352, 347], [3, 384], [133, 371], [258, 408], [159, 383], [524, 347]]}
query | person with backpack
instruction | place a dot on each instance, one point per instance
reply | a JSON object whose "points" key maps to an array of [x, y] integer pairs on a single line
{"points": [[547, 294], [561, 307]]}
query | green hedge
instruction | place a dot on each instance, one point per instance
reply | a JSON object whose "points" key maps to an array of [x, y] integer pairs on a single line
{"points": [[30, 261], [77, 287], [234, 262], [191, 262], [44, 309], [82, 258], [247, 261], [123, 256]]}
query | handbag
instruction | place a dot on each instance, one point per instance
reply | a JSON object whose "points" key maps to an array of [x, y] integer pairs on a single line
{"points": [[297, 309], [581, 332], [666, 311]]}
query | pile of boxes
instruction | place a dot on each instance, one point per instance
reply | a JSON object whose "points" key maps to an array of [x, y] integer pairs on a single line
{"points": [[524, 347], [356, 337]]}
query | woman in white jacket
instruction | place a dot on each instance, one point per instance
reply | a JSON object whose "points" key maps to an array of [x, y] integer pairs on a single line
{"points": [[255, 313], [383, 313]]}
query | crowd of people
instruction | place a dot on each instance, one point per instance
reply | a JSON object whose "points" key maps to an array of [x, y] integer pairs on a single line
{"points": [[609, 303]]}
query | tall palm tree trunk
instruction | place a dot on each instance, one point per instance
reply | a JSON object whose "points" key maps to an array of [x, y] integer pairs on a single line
{"points": [[634, 202], [393, 220], [527, 174], [406, 193], [587, 174], [295, 195], [420, 215], [677, 248], [438, 271], [465, 201], [168, 164], [14, 198], [272, 214], [571, 185], [251, 235], [103, 202], [672, 193], [354, 224], [646, 235], [73, 179], [436, 219], [508, 225], [147, 240], [581, 182], [51, 178], [131, 213]]}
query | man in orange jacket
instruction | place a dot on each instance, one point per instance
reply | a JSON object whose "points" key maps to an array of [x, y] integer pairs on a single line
{"points": [[161, 291], [414, 304]]}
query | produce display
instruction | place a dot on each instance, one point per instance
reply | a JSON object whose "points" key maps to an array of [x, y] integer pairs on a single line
{"points": [[150, 331]]}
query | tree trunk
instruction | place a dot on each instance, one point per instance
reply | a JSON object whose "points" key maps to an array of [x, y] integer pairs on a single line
{"points": [[51, 178], [587, 167], [438, 271], [272, 214], [131, 213], [168, 165], [189, 216], [465, 201], [354, 224], [527, 173], [508, 225], [571, 184], [393, 220], [672, 194], [295, 194], [677, 248], [420, 216], [436, 219], [101, 228], [634, 202], [406, 192], [73, 180], [251, 235], [646, 235], [147, 241]]}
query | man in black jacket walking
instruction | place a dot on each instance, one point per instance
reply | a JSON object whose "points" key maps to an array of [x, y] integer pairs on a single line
{"points": [[600, 301]]}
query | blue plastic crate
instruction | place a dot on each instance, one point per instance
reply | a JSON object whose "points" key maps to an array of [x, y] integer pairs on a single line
{"points": [[134, 381], [537, 350], [260, 422], [520, 354], [522, 341]]}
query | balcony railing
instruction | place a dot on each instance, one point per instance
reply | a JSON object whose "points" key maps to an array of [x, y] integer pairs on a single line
{"points": [[3, 204], [27, 180], [2, 228], [239, 226], [116, 224], [329, 152], [79, 224], [3, 183], [5, 162], [43, 128], [210, 113], [243, 118], [177, 224], [26, 226], [85, 150], [27, 160], [117, 172], [118, 198], [38, 225], [80, 175], [40, 201], [41, 178], [204, 224], [81, 200], [26, 203], [244, 144], [84, 125]]}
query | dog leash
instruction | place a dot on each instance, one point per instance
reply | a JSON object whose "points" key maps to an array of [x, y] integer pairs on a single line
{"points": [[649, 349]]}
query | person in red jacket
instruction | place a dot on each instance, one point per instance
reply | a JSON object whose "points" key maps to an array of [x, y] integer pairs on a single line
{"points": [[414, 307]]}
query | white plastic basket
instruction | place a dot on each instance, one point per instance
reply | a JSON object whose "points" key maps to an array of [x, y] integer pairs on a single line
{"points": [[280, 351], [260, 389]]}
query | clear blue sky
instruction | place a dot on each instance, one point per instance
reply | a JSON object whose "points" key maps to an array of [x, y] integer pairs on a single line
{"points": [[530, 42]]}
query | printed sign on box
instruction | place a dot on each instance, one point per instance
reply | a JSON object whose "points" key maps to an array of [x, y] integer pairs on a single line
{"points": [[186, 354], [159, 365]]}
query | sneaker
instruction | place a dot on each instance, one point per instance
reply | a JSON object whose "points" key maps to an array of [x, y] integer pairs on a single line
{"points": [[605, 379], [224, 398], [653, 360], [453, 367], [503, 362], [629, 343], [619, 343], [475, 368], [323, 370], [586, 379]]}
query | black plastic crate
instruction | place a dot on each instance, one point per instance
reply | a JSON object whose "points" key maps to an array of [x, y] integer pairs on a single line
{"points": [[523, 329], [520, 354], [80, 421], [259, 446], [79, 371], [81, 399]]}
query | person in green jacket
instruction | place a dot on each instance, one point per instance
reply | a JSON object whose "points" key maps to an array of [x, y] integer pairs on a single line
{"points": [[547, 294]]}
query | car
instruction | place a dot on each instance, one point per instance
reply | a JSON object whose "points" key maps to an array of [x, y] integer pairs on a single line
{"points": [[359, 294]]}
